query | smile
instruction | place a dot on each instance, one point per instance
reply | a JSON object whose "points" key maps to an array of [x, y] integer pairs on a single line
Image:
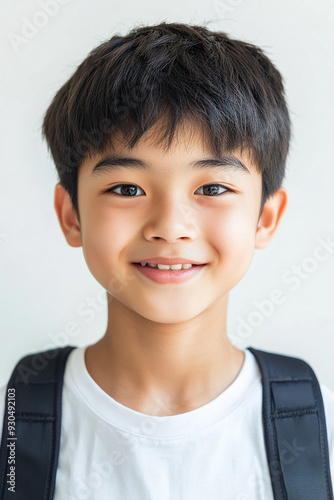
{"points": [[161, 273], [174, 267]]}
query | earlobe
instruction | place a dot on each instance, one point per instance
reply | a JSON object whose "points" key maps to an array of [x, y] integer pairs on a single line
{"points": [[67, 216], [271, 215]]}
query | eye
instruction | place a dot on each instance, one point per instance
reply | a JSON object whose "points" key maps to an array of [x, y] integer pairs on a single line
{"points": [[127, 190], [212, 189]]}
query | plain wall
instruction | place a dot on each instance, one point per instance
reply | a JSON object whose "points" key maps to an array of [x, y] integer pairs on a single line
{"points": [[48, 296]]}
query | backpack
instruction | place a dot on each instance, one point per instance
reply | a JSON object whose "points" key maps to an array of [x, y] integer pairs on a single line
{"points": [[292, 412]]}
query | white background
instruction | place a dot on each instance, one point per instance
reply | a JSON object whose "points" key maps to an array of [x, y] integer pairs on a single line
{"points": [[46, 287]]}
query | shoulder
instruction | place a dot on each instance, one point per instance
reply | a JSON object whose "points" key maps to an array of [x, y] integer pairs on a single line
{"points": [[43, 366], [328, 399]]}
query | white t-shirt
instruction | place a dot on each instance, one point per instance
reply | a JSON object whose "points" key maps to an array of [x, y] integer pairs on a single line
{"points": [[216, 452]]}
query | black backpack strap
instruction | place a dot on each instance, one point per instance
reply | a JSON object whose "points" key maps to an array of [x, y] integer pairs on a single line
{"points": [[295, 428], [31, 429]]}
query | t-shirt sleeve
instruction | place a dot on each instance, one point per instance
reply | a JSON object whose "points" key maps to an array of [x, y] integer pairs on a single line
{"points": [[328, 399]]}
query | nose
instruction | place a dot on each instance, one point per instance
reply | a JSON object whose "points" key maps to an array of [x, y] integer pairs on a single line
{"points": [[173, 219]]}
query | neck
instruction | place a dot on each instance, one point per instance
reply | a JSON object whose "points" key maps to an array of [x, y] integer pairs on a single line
{"points": [[164, 369]]}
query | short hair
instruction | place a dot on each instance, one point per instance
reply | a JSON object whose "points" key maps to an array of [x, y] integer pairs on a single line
{"points": [[173, 71]]}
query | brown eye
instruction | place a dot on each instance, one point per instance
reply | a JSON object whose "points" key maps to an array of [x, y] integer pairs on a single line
{"points": [[127, 190], [213, 189]]}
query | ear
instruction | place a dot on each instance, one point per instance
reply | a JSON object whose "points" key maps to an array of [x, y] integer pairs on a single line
{"points": [[271, 215], [67, 216]]}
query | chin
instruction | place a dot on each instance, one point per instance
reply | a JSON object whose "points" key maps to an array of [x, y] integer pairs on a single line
{"points": [[168, 317]]}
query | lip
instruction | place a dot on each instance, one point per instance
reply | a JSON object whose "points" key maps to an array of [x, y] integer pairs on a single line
{"points": [[168, 276], [170, 261]]}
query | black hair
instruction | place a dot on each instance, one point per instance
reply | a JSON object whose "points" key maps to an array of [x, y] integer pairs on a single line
{"points": [[173, 71]]}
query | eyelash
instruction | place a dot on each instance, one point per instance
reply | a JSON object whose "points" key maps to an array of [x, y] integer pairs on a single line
{"points": [[111, 190]]}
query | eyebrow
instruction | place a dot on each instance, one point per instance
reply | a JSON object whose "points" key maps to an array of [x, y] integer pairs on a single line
{"points": [[112, 163]]}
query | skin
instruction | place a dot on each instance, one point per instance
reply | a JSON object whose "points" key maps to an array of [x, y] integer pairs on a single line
{"points": [[165, 350]]}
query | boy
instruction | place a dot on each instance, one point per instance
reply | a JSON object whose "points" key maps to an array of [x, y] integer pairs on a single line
{"points": [[164, 405]]}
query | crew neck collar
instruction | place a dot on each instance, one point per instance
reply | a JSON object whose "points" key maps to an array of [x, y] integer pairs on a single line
{"points": [[171, 426]]}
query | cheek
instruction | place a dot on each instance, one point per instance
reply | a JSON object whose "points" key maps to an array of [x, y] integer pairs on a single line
{"points": [[232, 236], [105, 236]]}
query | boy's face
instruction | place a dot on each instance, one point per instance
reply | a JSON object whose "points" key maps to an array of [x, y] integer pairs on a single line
{"points": [[170, 214]]}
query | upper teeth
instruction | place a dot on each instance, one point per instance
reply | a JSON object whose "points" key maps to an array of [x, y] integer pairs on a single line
{"points": [[175, 267]]}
